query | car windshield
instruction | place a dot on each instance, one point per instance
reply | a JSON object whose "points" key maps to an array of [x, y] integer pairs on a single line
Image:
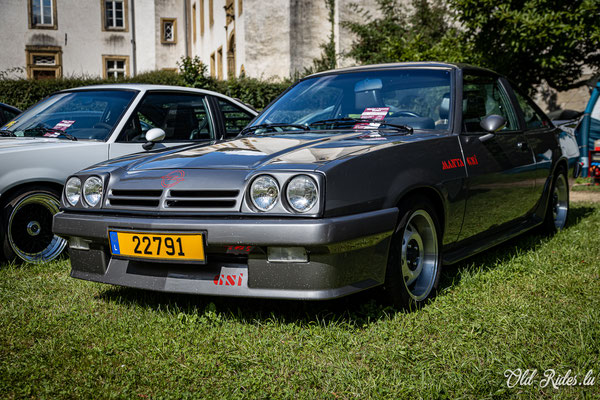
{"points": [[90, 114], [415, 98]]}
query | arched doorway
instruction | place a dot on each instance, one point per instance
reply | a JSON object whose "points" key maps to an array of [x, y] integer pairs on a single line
{"points": [[231, 56]]}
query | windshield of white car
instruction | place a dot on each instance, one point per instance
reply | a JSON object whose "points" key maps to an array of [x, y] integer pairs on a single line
{"points": [[90, 115], [415, 98]]}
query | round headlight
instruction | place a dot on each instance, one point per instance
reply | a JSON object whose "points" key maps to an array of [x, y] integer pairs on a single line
{"points": [[302, 194], [264, 193], [92, 190], [73, 190]]}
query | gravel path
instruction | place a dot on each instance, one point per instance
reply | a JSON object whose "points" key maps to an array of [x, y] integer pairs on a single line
{"points": [[584, 196]]}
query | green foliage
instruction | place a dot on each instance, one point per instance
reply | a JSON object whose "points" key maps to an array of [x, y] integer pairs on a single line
{"points": [[528, 40], [23, 93], [252, 91], [421, 32], [533, 40], [531, 303]]}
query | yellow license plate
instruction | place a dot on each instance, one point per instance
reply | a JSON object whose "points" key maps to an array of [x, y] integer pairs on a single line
{"points": [[158, 246]]}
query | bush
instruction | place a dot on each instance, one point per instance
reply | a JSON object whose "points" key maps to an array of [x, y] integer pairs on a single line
{"points": [[23, 93]]}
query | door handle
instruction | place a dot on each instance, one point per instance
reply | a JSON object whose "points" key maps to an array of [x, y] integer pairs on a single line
{"points": [[522, 146]]}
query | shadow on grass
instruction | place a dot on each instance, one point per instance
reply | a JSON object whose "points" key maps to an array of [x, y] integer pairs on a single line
{"points": [[356, 310]]}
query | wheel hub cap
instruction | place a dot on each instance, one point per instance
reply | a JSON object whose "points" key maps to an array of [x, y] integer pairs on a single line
{"points": [[419, 257], [34, 228], [30, 228]]}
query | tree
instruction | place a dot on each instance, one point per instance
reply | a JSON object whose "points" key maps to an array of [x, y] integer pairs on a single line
{"points": [[527, 40], [421, 32], [533, 40]]}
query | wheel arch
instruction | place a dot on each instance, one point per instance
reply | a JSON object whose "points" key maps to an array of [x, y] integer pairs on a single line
{"points": [[10, 191], [432, 194]]}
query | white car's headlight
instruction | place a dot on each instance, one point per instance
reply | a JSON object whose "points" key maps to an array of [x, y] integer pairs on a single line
{"points": [[92, 191], [302, 193], [73, 190], [264, 193]]}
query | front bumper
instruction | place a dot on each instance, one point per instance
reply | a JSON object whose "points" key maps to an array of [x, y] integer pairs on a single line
{"points": [[346, 254]]}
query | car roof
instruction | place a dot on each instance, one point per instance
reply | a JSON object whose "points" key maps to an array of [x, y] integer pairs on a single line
{"points": [[414, 64], [143, 87]]}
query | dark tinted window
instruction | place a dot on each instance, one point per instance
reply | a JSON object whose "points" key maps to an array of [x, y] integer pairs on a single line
{"points": [[482, 96], [534, 119], [183, 117], [234, 117]]}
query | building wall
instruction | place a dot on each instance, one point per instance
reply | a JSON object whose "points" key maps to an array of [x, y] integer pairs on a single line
{"points": [[74, 40], [145, 36], [168, 54]]}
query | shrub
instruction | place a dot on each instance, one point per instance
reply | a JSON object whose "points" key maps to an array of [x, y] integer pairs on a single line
{"points": [[23, 93]]}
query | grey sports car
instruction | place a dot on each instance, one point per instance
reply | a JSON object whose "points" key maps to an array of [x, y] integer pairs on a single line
{"points": [[75, 128], [351, 179]]}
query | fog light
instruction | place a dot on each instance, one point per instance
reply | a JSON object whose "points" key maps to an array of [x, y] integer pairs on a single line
{"points": [[287, 254], [78, 243]]}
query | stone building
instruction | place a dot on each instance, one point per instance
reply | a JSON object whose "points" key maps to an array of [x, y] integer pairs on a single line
{"points": [[274, 39], [56, 38], [110, 38]]}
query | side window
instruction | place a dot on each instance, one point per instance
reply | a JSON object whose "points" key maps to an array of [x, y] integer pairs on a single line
{"points": [[534, 119], [482, 96], [183, 117], [234, 117]]}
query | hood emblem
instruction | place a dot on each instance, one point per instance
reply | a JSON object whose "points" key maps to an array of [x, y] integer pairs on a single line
{"points": [[172, 178]]}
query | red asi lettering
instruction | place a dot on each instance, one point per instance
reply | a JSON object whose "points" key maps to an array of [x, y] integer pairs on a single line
{"points": [[228, 280]]}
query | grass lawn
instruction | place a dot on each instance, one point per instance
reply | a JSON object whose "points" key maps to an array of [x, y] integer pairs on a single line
{"points": [[533, 303]]}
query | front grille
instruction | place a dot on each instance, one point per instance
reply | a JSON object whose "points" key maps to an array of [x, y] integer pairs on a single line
{"points": [[134, 198], [189, 200], [202, 199]]}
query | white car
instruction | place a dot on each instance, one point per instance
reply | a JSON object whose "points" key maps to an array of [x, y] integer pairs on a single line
{"points": [[76, 128]]}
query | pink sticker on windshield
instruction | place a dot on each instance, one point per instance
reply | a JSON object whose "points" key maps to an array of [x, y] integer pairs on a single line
{"points": [[63, 125], [374, 113]]}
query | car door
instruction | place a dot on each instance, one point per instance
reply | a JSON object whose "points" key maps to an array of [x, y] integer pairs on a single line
{"points": [[184, 117], [541, 136], [500, 167]]}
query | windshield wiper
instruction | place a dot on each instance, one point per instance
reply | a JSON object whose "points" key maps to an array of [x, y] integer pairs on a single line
{"points": [[42, 130], [249, 129], [4, 132], [341, 121]]}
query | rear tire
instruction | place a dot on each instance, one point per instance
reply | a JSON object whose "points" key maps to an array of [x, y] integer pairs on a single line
{"points": [[557, 211], [27, 226], [414, 261]]}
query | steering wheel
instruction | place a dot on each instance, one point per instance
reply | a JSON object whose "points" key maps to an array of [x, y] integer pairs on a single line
{"points": [[104, 125], [407, 113]]}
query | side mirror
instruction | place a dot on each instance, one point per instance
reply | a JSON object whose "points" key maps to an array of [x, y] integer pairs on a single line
{"points": [[152, 136], [491, 124]]}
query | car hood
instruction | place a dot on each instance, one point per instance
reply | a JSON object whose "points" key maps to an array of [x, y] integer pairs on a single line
{"points": [[11, 144], [253, 152]]}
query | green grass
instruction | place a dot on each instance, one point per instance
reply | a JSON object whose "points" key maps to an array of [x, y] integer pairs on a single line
{"points": [[531, 303]]}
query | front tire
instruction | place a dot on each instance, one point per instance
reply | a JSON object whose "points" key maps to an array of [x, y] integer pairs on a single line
{"points": [[414, 261], [558, 203], [27, 226]]}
